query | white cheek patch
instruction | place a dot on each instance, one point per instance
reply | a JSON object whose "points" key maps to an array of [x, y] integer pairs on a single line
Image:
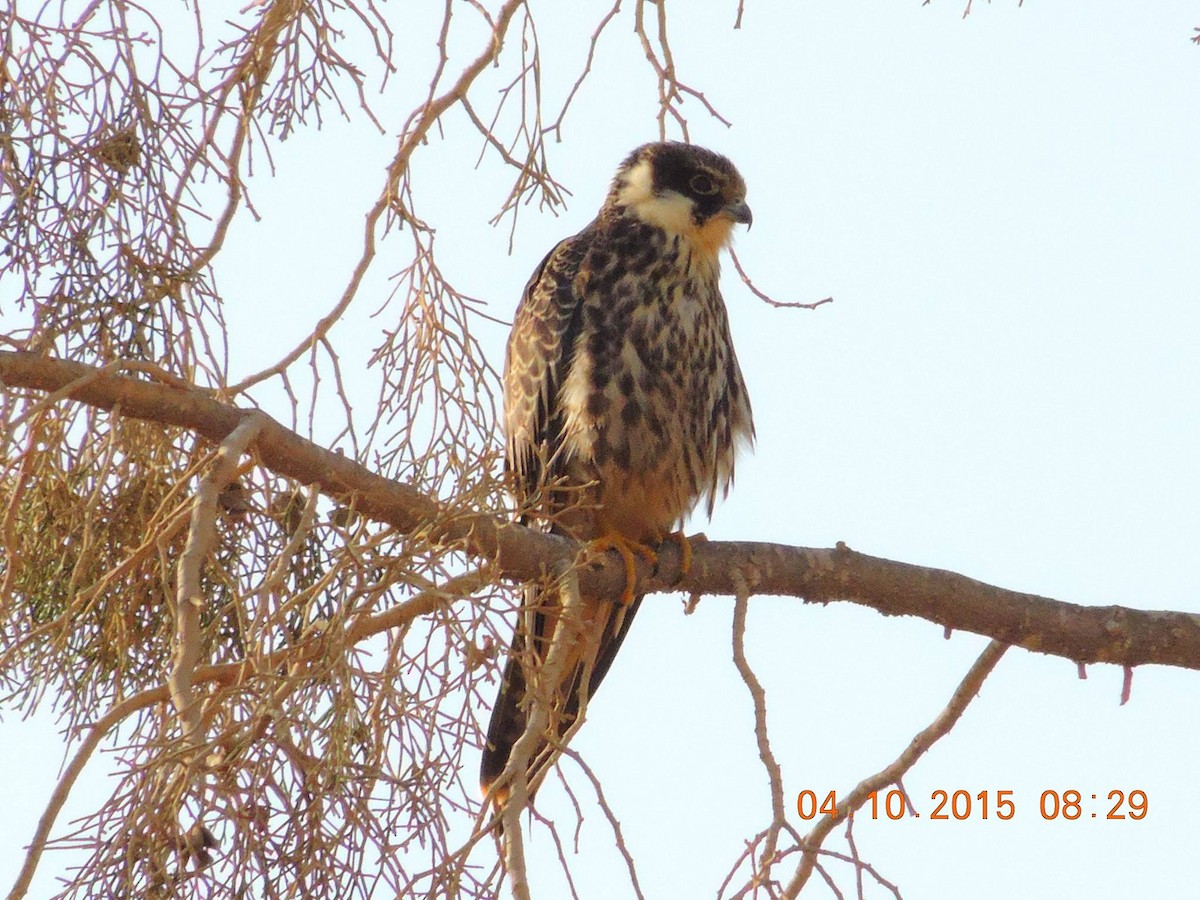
{"points": [[638, 186], [672, 212]]}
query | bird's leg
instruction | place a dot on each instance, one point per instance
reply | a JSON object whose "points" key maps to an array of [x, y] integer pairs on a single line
{"points": [[614, 540], [685, 550]]}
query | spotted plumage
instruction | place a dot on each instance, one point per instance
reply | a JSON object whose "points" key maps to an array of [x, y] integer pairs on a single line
{"points": [[624, 405]]}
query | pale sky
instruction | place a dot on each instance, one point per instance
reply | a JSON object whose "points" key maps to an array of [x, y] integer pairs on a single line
{"points": [[1005, 209]]}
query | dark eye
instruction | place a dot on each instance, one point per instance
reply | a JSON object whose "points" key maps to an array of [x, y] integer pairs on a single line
{"points": [[703, 185]]}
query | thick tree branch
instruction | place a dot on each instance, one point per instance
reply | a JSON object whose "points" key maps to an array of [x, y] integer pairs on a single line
{"points": [[1085, 634]]}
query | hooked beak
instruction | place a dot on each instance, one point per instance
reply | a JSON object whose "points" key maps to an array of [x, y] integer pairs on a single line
{"points": [[739, 211]]}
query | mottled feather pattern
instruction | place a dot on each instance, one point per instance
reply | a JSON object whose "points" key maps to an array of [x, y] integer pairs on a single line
{"points": [[624, 402], [654, 394]]}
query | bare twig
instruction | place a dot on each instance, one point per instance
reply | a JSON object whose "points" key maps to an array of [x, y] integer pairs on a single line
{"points": [[940, 726], [766, 298], [671, 91], [613, 823], [759, 698], [556, 125]]}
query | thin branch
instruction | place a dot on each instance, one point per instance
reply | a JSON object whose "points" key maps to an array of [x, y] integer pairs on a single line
{"points": [[62, 790], [202, 537], [759, 698], [671, 91], [940, 726], [613, 823], [556, 125], [766, 298]]}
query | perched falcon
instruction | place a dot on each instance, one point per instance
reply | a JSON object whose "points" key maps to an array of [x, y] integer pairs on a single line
{"points": [[624, 407]]}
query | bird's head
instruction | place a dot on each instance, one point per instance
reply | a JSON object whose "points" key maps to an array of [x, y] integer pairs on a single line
{"points": [[684, 190]]}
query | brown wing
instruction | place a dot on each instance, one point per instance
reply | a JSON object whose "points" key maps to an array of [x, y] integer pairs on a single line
{"points": [[541, 350]]}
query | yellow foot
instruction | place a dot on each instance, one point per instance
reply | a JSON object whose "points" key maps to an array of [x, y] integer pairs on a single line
{"points": [[628, 549], [685, 550]]}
